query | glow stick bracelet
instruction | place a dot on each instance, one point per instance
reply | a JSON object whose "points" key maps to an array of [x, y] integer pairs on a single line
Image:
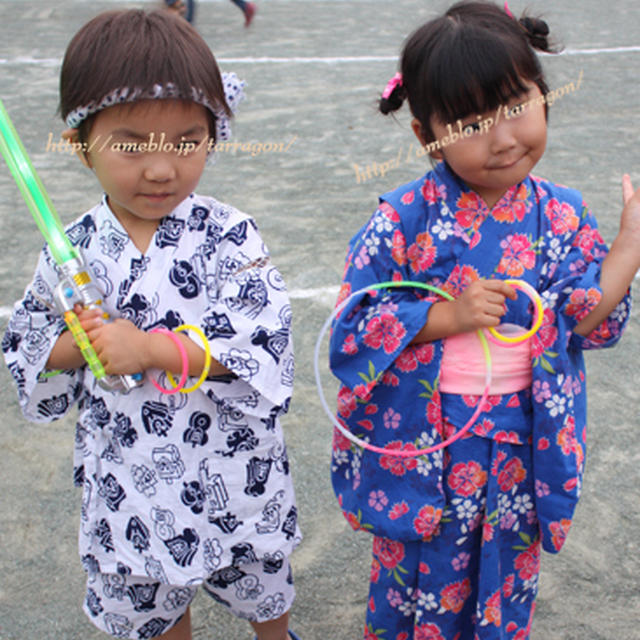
{"points": [[185, 362], [207, 357], [537, 320], [384, 450]]}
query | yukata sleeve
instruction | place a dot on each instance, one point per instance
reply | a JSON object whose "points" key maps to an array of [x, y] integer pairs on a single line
{"points": [[248, 321], [573, 288], [31, 333], [559, 423], [376, 326]]}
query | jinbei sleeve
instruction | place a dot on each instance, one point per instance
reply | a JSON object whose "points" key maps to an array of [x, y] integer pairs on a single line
{"points": [[248, 318], [31, 333]]}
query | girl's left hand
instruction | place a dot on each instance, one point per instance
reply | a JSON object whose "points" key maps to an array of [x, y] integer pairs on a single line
{"points": [[630, 219], [621, 263]]}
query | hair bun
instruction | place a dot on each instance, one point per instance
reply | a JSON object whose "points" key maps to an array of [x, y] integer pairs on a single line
{"points": [[394, 101], [537, 31]]}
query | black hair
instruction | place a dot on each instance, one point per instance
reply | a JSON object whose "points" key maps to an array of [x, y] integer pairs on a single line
{"points": [[471, 60], [136, 49]]}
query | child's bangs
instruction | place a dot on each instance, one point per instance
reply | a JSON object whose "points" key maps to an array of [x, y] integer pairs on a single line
{"points": [[164, 51], [141, 51], [483, 76]]}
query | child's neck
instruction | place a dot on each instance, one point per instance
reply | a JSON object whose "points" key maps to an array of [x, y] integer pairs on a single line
{"points": [[139, 230], [141, 233]]}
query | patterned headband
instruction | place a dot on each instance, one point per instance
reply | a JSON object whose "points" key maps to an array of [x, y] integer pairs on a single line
{"points": [[233, 91]]}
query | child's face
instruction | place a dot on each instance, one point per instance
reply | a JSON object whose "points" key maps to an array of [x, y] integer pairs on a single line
{"points": [[502, 150], [143, 182]]}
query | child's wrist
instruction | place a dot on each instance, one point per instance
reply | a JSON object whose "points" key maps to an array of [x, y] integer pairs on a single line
{"points": [[441, 322], [152, 344], [451, 318], [161, 352], [625, 248]]}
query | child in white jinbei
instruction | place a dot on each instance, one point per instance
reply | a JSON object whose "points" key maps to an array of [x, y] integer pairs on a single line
{"points": [[179, 489]]}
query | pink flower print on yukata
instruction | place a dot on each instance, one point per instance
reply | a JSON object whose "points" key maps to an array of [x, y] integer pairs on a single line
{"points": [[562, 216]]}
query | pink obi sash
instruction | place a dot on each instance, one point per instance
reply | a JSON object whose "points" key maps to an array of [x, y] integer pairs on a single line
{"points": [[464, 368]]}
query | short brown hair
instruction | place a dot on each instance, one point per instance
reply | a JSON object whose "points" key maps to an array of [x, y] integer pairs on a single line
{"points": [[137, 49]]}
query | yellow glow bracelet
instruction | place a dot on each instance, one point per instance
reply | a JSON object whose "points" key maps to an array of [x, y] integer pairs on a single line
{"points": [[537, 322], [207, 357]]}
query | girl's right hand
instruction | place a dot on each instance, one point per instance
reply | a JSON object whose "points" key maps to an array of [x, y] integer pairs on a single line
{"points": [[481, 305]]}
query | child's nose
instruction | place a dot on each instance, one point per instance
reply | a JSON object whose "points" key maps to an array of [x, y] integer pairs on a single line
{"points": [[159, 167], [503, 136]]}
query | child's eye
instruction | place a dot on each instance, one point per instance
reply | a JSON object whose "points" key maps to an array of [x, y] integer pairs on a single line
{"points": [[126, 146], [188, 146], [471, 128], [516, 110]]}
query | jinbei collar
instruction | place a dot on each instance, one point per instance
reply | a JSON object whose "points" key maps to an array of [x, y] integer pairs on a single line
{"points": [[233, 91]]}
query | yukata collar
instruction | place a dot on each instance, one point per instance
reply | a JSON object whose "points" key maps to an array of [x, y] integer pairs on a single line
{"points": [[455, 187]]}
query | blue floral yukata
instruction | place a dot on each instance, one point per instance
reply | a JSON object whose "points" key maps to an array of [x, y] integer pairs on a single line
{"points": [[458, 533], [186, 488]]}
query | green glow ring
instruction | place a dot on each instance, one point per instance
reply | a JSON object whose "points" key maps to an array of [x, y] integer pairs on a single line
{"points": [[385, 450]]}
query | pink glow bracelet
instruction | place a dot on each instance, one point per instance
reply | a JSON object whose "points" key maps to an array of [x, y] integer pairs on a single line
{"points": [[185, 362]]}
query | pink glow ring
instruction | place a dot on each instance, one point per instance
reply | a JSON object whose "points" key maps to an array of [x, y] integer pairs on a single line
{"points": [[185, 362], [342, 428]]}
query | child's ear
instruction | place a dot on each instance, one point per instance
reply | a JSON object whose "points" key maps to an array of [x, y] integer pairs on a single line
{"points": [[71, 136], [416, 125]]}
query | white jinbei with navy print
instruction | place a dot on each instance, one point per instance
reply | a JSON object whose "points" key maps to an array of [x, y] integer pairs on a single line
{"points": [[174, 485]]}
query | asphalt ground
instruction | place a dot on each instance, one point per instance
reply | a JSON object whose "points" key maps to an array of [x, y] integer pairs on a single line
{"points": [[314, 70]]}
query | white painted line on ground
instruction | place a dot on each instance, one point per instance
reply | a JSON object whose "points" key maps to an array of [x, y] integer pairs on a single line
{"points": [[319, 292], [591, 52], [45, 62], [52, 62]]}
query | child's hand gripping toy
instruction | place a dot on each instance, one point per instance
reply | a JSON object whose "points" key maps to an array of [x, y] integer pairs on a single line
{"points": [[76, 284]]}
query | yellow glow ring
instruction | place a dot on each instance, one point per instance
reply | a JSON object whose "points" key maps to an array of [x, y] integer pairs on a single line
{"points": [[207, 357], [525, 287]]}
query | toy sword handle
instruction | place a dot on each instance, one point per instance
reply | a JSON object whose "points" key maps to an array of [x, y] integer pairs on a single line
{"points": [[77, 285], [82, 340]]}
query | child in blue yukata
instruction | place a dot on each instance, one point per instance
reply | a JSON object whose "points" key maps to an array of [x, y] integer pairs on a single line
{"points": [[179, 489], [458, 533]]}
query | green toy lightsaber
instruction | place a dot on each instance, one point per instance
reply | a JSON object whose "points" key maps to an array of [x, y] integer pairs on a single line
{"points": [[76, 284], [33, 191]]}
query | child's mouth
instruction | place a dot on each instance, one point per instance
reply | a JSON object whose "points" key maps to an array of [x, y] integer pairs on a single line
{"points": [[508, 164], [156, 197]]}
